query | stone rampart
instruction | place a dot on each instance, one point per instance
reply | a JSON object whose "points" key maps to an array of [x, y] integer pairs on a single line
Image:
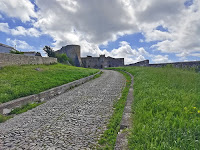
{"points": [[18, 59], [188, 64], [101, 62], [73, 52], [140, 63]]}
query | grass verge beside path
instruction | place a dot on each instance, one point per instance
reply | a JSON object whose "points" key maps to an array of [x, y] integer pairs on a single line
{"points": [[24, 108], [20, 81], [108, 139], [166, 109], [4, 118], [19, 110]]}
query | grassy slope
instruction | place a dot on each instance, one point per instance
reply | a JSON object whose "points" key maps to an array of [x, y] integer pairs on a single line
{"points": [[166, 109], [19, 81]]}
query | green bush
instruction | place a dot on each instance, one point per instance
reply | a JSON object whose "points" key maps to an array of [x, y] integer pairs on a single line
{"points": [[62, 58], [16, 52], [50, 52]]}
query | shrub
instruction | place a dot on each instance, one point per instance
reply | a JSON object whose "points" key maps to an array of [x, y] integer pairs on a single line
{"points": [[16, 52], [50, 52], [62, 58]]}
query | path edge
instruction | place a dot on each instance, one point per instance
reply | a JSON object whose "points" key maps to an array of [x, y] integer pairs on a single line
{"points": [[122, 139]]}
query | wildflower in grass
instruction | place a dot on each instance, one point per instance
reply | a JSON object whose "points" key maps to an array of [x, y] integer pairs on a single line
{"points": [[198, 111], [194, 107], [185, 108]]}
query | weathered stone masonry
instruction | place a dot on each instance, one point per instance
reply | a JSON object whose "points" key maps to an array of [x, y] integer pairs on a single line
{"points": [[189, 64], [16, 59], [102, 62], [73, 52]]}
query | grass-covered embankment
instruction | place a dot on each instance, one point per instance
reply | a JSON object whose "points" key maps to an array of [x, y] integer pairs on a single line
{"points": [[166, 109], [108, 139], [19, 81]]}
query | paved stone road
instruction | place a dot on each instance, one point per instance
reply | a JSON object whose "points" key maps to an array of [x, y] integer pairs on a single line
{"points": [[73, 120]]}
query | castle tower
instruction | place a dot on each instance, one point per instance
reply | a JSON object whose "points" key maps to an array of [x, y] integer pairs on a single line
{"points": [[73, 52]]}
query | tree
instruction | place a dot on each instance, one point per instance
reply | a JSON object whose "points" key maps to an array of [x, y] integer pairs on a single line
{"points": [[50, 52], [62, 58]]}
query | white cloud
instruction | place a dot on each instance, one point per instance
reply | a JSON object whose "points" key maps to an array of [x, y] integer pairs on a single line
{"points": [[22, 9], [4, 27], [184, 55], [141, 40], [157, 35], [90, 21], [195, 54], [22, 31], [183, 26], [142, 51], [125, 51], [19, 44], [93, 23], [160, 59], [19, 30], [153, 11]]}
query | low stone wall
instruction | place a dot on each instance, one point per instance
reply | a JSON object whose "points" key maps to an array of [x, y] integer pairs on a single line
{"points": [[5, 108], [19, 59], [140, 63], [189, 64]]}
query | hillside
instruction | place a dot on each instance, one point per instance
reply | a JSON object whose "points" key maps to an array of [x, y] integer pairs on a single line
{"points": [[166, 108], [19, 81]]}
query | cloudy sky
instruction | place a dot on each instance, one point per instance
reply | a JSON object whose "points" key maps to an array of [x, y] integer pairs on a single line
{"points": [[158, 30]]}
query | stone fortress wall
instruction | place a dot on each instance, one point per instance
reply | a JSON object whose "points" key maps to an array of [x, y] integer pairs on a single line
{"points": [[7, 59], [140, 63], [102, 62], [73, 52], [189, 64]]}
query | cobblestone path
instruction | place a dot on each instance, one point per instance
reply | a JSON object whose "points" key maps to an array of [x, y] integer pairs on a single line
{"points": [[73, 120]]}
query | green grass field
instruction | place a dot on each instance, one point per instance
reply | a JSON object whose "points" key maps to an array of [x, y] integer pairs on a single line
{"points": [[166, 109], [19, 81]]}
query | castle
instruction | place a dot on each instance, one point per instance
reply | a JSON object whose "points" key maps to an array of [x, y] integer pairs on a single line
{"points": [[73, 52]]}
